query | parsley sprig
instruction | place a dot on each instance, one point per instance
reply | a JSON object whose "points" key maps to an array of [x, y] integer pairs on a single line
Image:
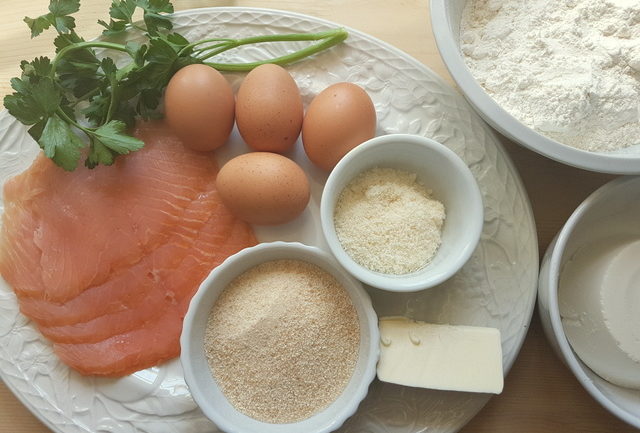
{"points": [[80, 94]]}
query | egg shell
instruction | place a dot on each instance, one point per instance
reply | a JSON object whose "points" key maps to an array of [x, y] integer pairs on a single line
{"points": [[200, 107], [338, 119], [269, 109], [263, 188]]}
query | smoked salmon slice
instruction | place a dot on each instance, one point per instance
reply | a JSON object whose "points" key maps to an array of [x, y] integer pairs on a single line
{"points": [[127, 353], [115, 296], [159, 338], [89, 223], [166, 282], [105, 261]]}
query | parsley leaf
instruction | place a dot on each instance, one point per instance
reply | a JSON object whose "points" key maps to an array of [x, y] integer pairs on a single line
{"points": [[103, 105], [122, 10], [64, 7], [60, 143], [121, 13], [136, 51], [99, 154], [113, 27], [22, 106], [36, 130], [63, 23], [113, 136], [178, 42], [78, 69], [160, 57], [36, 98], [58, 16], [97, 109], [37, 25], [152, 17], [39, 66], [149, 79], [110, 140], [46, 96]]}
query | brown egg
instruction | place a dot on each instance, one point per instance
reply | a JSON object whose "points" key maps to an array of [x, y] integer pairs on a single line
{"points": [[269, 109], [199, 107], [263, 188], [338, 119]]}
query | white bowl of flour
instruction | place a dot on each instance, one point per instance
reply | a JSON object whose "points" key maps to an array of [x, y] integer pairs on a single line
{"points": [[561, 78]]}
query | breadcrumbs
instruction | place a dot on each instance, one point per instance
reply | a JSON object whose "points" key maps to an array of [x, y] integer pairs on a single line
{"points": [[282, 341]]}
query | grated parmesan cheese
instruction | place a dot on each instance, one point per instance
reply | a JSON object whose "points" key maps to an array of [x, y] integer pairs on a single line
{"points": [[388, 222]]}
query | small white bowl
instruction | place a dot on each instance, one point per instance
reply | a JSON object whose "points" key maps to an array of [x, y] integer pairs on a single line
{"points": [[438, 168], [611, 212], [205, 390], [446, 16]]}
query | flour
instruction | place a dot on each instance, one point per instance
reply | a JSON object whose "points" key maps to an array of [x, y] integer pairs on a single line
{"points": [[570, 69]]}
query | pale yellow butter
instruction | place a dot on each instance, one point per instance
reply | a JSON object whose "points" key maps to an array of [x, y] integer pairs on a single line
{"points": [[445, 357]]}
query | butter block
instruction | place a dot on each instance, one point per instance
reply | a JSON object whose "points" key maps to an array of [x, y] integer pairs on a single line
{"points": [[445, 357]]}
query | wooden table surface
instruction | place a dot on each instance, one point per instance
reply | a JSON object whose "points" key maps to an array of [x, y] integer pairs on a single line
{"points": [[540, 393]]}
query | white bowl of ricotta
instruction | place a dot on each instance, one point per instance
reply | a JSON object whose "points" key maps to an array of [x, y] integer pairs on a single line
{"points": [[589, 296], [402, 212], [553, 99]]}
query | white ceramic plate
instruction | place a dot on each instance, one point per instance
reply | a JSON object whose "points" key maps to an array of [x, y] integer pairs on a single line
{"points": [[497, 287]]}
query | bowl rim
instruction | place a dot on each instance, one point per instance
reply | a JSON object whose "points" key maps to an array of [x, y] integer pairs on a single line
{"points": [[508, 125], [361, 297], [396, 283], [555, 261]]}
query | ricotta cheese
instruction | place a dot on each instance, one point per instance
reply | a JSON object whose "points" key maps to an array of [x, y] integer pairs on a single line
{"points": [[599, 301]]}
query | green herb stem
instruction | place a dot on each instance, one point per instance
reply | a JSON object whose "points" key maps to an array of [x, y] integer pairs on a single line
{"points": [[210, 47], [125, 70], [327, 39], [82, 45], [201, 42], [112, 102], [60, 112], [86, 96]]}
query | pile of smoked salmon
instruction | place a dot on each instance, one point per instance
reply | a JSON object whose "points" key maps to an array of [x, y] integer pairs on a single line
{"points": [[105, 261]]}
